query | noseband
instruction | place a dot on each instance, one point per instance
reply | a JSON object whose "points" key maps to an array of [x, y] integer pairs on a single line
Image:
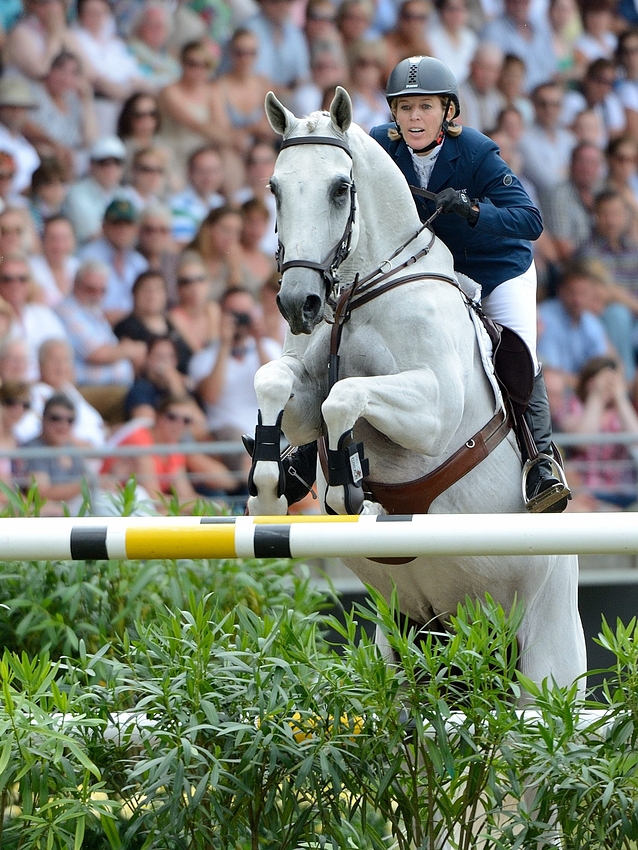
{"points": [[327, 268]]}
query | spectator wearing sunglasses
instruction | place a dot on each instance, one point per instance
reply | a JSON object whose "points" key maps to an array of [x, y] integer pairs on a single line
{"points": [[61, 478], [160, 475]]}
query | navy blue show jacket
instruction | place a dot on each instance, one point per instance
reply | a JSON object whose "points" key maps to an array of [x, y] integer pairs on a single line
{"points": [[498, 247]]}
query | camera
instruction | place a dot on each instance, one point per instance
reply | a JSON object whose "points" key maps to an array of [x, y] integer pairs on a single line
{"points": [[242, 319]]}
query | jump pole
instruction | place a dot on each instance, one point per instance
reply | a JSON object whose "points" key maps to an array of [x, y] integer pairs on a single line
{"points": [[104, 538]]}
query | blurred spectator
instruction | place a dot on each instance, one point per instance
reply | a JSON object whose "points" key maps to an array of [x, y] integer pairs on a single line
{"points": [[515, 32], [14, 403], [258, 265], [147, 185], [149, 318], [597, 39], [8, 197], [116, 250], [15, 102], [55, 268], [156, 245], [63, 123], [354, 19], [159, 377], [602, 406], [217, 243], [282, 50], [138, 126], [14, 357], [224, 371], [193, 114], [627, 87], [113, 70], [597, 94], [510, 85], [17, 232], [588, 127], [40, 36], [148, 45], [546, 146], [565, 27], [60, 478], [410, 35], [161, 475], [57, 376], [202, 194], [570, 334], [195, 316], [259, 170], [320, 25], [89, 197], [622, 174], [479, 97], [570, 207], [328, 67], [510, 121], [614, 248], [367, 84], [453, 41], [242, 91], [33, 323], [104, 365], [49, 189]]}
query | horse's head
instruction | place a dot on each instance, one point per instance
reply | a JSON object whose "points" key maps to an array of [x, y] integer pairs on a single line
{"points": [[316, 204]]}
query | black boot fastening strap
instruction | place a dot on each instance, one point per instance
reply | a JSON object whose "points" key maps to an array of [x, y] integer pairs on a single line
{"points": [[267, 447], [347, 467]]}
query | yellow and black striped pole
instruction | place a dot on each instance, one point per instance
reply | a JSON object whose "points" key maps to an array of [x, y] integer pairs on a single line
{"points": [[316, 536]]}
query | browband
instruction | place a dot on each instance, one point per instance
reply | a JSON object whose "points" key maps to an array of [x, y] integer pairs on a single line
{"points": [[316, 140]]}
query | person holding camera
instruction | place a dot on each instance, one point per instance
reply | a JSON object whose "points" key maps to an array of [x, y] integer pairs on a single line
{"points": [[224, 371]]}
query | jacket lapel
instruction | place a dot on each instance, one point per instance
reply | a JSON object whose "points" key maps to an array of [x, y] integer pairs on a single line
{"points": [[445, 165]]}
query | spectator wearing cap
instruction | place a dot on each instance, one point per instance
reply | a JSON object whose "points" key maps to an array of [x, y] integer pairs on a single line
{"points": [[89, 197], [104, 365], [33, 323], [15, 102], [202, 194], [116, 250]]}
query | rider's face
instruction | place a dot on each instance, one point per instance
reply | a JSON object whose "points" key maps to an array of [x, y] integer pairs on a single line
{"points": [[419, 118]]}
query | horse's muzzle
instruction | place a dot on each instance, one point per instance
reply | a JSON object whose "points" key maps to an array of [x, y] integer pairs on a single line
{"points": [[301, 313]]}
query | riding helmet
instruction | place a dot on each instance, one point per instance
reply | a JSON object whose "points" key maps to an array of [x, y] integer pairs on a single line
{"points": [[423, 75]]}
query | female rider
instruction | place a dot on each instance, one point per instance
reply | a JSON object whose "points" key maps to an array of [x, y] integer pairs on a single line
{"points": [[486, 219]]}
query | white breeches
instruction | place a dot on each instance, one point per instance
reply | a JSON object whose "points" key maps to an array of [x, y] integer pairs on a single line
{"points": [[513, 303]]}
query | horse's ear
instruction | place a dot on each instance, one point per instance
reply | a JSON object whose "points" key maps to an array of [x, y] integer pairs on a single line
{"points": [[280, 118], [341, 110]]}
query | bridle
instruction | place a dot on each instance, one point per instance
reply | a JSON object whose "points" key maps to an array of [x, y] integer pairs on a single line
{"points": [[328, 268]]}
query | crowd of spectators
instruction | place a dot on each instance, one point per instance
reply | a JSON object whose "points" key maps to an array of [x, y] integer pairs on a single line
{"points": [[137, 233]]}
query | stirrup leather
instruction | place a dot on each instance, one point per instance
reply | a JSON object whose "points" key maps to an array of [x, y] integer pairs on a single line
{"points": [[546, 498]]}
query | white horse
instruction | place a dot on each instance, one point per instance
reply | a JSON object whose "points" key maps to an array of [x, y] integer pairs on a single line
{"points": [[412, 383]]}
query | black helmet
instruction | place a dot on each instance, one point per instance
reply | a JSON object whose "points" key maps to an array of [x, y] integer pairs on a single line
{"points": [[423, 75]]}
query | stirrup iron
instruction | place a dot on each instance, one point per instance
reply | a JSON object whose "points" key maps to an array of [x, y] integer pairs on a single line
{"points": [[545, 499]]}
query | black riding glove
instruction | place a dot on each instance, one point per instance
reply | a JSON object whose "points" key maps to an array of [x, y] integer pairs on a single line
{"points": [[456, 201]]}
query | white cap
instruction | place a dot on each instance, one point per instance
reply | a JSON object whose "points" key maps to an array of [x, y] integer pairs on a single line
{"points": [[109, 146]]}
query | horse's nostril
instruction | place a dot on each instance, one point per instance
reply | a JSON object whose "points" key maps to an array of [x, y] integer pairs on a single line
{"points": [[281, 308], [312, 306]]}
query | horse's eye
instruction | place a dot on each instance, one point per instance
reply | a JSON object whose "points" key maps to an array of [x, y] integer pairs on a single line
{"points": [[342, 190]]}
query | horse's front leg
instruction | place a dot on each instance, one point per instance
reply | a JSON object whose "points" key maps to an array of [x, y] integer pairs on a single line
{"points": [[410, 408]]}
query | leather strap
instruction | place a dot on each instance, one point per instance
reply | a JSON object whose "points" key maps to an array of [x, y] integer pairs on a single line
{"points": [[415, 497]]}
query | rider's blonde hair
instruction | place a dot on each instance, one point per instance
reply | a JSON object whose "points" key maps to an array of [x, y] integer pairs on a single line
{"points": [[452, 128]]}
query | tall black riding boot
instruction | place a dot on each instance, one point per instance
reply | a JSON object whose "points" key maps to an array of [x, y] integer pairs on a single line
{"points": [[545, 486]]}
